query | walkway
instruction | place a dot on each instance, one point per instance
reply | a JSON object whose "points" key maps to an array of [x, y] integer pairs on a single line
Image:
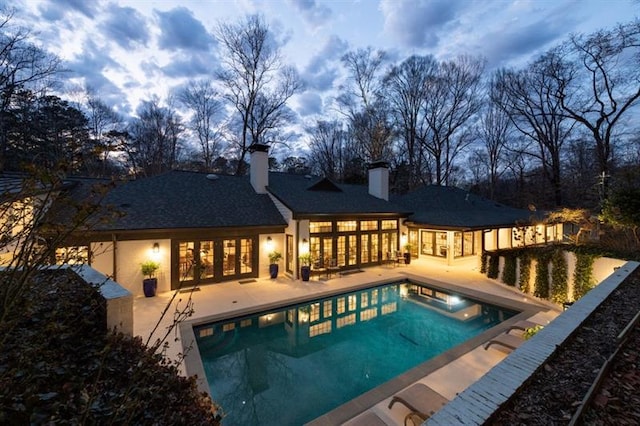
{"points": [[446, 376]]}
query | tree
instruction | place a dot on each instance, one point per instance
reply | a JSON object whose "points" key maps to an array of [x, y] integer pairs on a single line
{"points": [[330, 149], [601, 85], [362, 103], [452, 100], [202, 100], [154, 138], [528, 97], [257, 83], [23, 66], [406, 87]]}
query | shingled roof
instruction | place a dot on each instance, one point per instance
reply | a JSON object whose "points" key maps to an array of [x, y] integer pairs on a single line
{"points": [[449, 207], [308, 196], [182, 199]]}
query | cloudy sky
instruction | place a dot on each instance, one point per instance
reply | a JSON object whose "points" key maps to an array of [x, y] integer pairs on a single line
{"points": [[130, 50]]}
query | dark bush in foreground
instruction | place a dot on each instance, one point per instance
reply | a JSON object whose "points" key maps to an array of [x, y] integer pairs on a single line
{"points": [[59, 366]]}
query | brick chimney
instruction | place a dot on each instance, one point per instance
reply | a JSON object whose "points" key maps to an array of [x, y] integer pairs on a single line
{"points": [[379, 180], [259, 171]]}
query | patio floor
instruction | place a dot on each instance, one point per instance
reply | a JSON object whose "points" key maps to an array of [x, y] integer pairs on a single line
{"points": [[448, 380]]}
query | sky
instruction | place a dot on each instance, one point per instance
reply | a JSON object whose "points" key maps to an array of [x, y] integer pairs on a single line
{"points": [[128, 51]]}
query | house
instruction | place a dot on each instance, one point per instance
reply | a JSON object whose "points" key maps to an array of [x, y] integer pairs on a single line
{"points": [[205, 228]]}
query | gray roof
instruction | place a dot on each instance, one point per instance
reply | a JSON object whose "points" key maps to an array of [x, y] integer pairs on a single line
{"points": [[182, 199], [449, 207], [313, 195]]}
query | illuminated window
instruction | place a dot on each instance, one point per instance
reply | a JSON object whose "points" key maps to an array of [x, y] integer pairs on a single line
{"points": [[75, 255], [340, 305], [374, 296], [315, 312], [318, 227], [229, 326], [347, 225], [389, 224], [369, 225], [245, 322], [206, 259], [246, 255], [206, 332]]}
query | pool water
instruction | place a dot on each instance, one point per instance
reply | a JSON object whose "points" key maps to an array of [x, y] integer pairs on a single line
{"points": [[291, 365]]}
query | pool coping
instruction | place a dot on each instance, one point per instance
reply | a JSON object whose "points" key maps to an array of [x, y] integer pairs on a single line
{"points": [[194, 366]]}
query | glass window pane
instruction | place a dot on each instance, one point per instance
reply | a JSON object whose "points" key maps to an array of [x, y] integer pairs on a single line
{"points": [[229, 264], [246, 255], [206, 259], [186, 259]]}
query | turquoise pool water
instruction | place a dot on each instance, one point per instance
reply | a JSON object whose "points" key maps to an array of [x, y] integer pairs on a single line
{"points": [[291, 365]]}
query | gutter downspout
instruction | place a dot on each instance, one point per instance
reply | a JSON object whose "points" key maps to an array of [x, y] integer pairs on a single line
{"points": [[114, 265]]}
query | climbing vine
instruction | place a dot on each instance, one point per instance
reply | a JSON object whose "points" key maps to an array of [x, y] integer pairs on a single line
{"points": [[494, 265], [559, 277], [509, 271], [525, 272], [541, 286], [483, 262], [583, 280]]}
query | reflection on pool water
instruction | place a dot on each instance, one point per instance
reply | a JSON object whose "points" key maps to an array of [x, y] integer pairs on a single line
{"points": [[291, 365]]}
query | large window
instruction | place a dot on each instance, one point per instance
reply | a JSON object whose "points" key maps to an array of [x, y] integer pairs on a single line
{"points": [[213, 260]]}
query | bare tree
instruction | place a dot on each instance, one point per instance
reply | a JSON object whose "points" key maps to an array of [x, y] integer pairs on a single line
{"points": [[257, 83], [22, 66], [406, 88], [202, 100], [330, 149], [154, 140], [362, 103], [494, 131], [528, 97], [452, 100], [601, 85]]}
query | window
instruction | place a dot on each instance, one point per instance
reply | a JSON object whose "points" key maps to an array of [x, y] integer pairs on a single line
{"points": [[74, 255], [369, 225], [246, 255], [206, 259], [340, 305], [229, 265], [186, 260], [318, 227], [389, 224], [328, 308], [347, 225], [353, 300]]}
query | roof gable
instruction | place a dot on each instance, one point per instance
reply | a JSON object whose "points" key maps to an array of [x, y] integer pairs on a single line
{"points": [[324, 185]]}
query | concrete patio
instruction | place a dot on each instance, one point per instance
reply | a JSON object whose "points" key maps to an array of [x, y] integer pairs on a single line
{"points": [[449, 374]]}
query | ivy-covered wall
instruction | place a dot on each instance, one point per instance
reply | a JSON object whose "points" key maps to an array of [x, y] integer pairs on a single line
{"points": [[556, 273]]}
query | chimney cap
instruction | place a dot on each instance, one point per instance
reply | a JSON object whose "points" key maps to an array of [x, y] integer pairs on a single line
{"points": [[259, 147], [378, 164]]}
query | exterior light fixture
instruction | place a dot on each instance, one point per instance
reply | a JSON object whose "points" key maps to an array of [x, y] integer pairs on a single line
{"points": [[269, 243], [156, 248]]}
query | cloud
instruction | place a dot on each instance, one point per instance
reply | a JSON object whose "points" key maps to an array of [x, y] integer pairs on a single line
{"points": [[323, 68], [315, 14], [310, 103], [417, 23], [55, 10], [191, 65], [180, 30], [125, 26]]}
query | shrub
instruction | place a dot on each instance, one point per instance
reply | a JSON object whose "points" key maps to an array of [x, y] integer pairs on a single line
{"points": [[509, 271], [483, 262], [60, 365], [531, 331], [559, 277]]}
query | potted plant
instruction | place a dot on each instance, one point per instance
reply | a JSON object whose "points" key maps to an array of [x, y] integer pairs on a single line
{"points": [[407, 254], [305, 266], [274, 258], [149, 284]]}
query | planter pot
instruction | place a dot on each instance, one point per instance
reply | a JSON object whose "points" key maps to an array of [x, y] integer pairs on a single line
{"points": [[305, 273], [273, 270], [407, 258], [149, 286]]}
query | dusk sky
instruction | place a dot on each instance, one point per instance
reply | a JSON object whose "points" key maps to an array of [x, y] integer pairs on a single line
{"points": [[130, 50]]}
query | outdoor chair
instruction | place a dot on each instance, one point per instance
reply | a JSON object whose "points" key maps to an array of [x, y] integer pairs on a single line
{"points": [[420, 399], [368, 418], [507, 341], [333, 267]]}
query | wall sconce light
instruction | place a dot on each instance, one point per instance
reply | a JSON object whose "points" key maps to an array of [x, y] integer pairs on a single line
{"points": [[156, 248], [269, 243]]}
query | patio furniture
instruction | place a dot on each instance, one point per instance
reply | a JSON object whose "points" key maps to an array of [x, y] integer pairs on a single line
{"points": [[522, 325], [318, 267], [333, 267], [420, 399], [508, 341]]}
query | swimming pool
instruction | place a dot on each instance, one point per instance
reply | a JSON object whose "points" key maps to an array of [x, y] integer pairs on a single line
{"points": [[290, 365]]}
